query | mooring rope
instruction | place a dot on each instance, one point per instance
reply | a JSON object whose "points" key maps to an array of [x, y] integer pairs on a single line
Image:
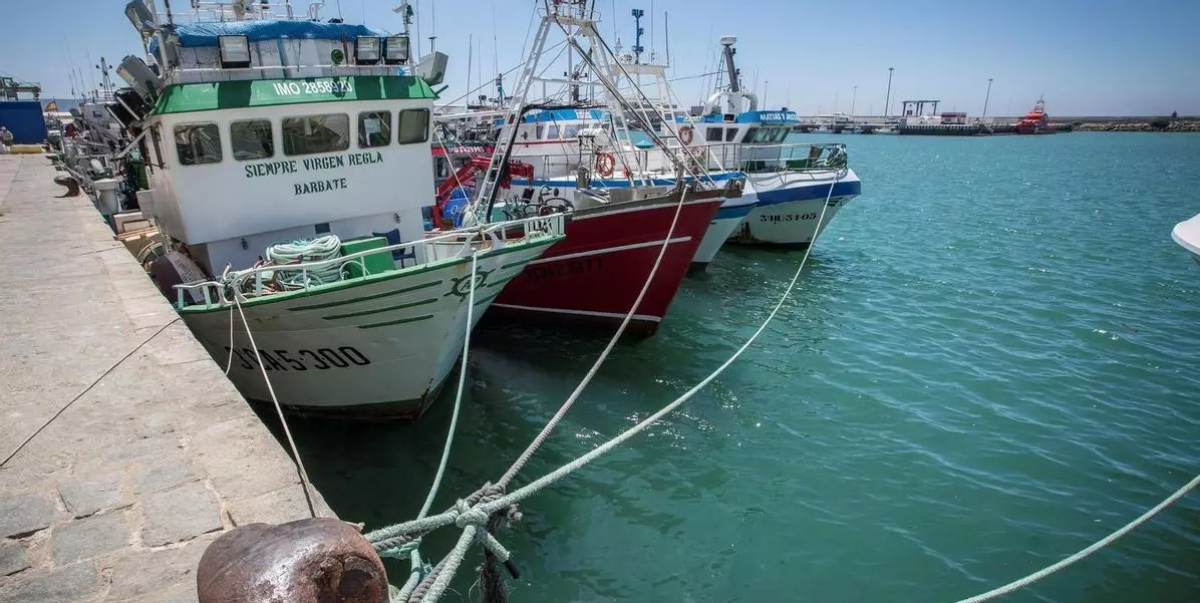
{"points": [[308, 488], [595, 368], [467, 515], [1096, 546], [409, 549]]}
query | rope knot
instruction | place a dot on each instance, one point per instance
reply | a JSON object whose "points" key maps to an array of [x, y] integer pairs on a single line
{"points": [[469, 516]]}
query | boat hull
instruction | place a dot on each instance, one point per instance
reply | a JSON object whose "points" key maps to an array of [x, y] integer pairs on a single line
{"points": [[382, 347], [595, 274], [1187, 235], [789, 208], [723, 225]]}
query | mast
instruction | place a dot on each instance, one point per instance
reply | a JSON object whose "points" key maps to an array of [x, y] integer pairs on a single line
{"points": [[728, 42]]}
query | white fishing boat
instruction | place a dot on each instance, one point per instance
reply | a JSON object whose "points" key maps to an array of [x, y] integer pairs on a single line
{"points": [[1187, 234], [288, 167]]}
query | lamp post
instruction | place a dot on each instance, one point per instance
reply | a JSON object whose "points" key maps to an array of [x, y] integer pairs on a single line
{"points": [[987, 97], [887, 103], [766, 86]]}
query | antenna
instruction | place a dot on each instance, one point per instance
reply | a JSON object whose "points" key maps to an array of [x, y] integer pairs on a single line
{"points": [[667, 34], [433, 26], [652, 55], [638, 49], [470, 56]]}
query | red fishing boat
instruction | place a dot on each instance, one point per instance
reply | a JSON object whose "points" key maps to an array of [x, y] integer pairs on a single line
{"points": [[595, 274], [614, 233], [1036, 121]]}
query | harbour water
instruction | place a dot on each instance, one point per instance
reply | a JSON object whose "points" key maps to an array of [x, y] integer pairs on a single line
{"points": [[989, 363]]}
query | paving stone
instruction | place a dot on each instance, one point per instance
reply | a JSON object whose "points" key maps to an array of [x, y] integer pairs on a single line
{"points": [[179, 514], [90, 492], [280, 506], [88, 537], [163, 472], [69, 584], [24, 513], [161, 575], [14, 557]]}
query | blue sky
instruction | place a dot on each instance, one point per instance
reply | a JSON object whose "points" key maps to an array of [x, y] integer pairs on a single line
{"points": [[1097, 57]]}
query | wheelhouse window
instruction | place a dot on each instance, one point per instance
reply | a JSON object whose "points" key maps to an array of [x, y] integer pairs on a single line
{"points": [[413, 127], [198, 144], [730, 134], [713, 135], [251, 139], [374, 129], [316, 134]]}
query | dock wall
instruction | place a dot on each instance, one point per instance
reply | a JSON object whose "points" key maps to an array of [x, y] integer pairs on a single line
{"points": [[155, 454]]}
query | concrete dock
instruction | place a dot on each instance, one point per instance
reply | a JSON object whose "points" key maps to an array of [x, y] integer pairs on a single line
{"points": [[117, 497]]}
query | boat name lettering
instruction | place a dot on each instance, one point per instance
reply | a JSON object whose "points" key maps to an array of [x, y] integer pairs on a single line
{"points": [[321, 359], [775, 116], [570, 267], [271, 168], [317, 87], [789, 217], [324, 163], [313, 164], [320, 186]]}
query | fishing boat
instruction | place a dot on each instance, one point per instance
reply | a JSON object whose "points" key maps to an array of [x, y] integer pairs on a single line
{"points": [[289, 162], [616, 237], [792, 191], [1036, 121], [1187, 234], [797, 188]]}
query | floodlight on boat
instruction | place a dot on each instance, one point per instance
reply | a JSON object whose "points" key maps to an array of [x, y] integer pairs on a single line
{"points": [[366, 50], [235, 51], [139, 76], [395, 50], [140, 16]]}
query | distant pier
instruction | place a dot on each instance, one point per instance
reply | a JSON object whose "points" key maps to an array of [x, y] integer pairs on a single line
{"points": [[133, 450]]}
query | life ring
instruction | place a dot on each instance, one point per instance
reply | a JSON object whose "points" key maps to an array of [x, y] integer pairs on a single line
{"points": [[605, 163], [685, 135]]}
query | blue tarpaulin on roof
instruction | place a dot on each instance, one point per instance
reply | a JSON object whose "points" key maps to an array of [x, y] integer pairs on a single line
{"points": [[196, 35]]}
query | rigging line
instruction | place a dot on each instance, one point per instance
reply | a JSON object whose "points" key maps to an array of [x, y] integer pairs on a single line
{"points": [[484, 85], [307, 485], [85, 391], [533, 487], [1096, 546]]}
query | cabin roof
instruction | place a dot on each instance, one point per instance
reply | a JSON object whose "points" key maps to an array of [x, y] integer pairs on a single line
{"points": [[241, 94], [205, 34]]}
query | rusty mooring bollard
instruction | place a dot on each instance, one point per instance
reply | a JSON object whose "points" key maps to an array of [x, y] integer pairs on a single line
{"points": [[319, 560], [70, 182]]}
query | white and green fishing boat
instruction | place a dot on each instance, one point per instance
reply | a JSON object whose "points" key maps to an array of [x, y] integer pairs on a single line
{"points": [[289, 163]]}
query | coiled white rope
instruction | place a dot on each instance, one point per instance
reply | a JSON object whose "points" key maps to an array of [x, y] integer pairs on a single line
{"points": [[327, 247]]}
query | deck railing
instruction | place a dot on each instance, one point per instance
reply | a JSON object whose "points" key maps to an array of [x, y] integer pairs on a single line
{"points": [[432, 248], [766, 158]]}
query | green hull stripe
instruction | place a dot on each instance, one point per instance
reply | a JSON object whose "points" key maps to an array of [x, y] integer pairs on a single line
{"points": [[414, 304], [215, 96], [503, 280], [398, 321], [368, 297]]}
